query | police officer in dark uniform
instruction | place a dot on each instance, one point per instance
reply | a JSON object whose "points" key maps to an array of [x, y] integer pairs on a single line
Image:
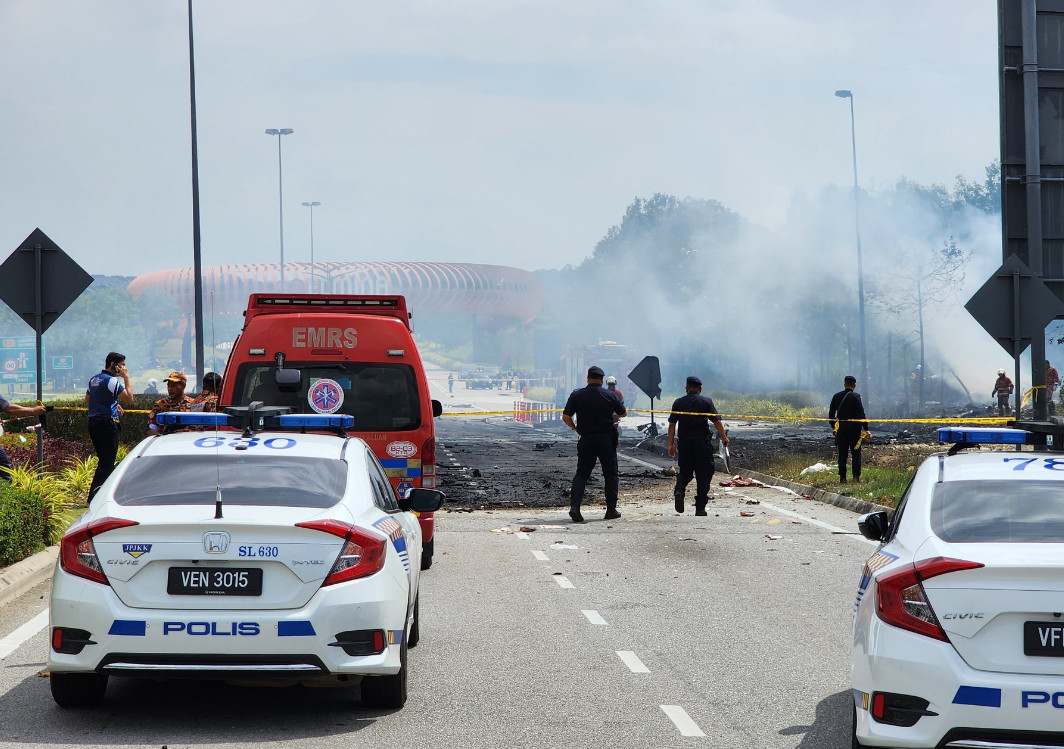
{"points": [[694, 455], [594, 407], [846, 413]]}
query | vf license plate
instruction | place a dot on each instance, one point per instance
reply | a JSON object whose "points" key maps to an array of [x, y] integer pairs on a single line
{"points": [[214, 581], [1044, 639]]}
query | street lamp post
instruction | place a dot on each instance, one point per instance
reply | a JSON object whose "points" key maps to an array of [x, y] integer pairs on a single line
{"points": [[280, 188], [313, 269], [844, 94]]}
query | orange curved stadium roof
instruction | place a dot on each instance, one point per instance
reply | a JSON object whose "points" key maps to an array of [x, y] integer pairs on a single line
{"points": [[441, 288]]}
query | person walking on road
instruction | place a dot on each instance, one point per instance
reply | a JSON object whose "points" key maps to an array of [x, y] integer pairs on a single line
{"points": [[689, 443], [13, 409], [1003, 391], [847, 417], [105, 390], [594, 407]]}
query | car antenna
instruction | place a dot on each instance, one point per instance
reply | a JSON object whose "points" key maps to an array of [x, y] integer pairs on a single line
{"points": [[217, 433]]}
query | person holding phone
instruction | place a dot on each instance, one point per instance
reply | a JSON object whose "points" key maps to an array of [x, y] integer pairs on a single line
{"points": [[105, 391]]}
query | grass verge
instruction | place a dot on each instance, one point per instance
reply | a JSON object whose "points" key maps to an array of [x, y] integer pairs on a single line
{"points": [[885, 473]]}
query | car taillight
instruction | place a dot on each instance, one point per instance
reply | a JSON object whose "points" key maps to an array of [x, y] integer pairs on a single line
{"points": [[77, 553], [362, 555], [900, 597], [428, 464]]}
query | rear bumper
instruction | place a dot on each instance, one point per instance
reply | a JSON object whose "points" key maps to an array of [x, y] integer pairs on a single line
{"points": [[970, 705], [285, 643]]}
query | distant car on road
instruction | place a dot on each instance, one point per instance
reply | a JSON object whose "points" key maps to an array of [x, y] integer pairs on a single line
{"points": [[959, 619], [479, 378], [276, 552]]}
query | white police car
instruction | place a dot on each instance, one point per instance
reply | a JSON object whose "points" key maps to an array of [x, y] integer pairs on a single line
{"points": [[959, 620], [271, 553]]}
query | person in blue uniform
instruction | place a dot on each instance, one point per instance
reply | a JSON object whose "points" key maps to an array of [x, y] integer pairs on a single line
{"points": [[689, 443], [105, 390], [594, 408], [847, 416]]}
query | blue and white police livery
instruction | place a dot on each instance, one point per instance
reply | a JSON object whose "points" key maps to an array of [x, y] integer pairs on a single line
{"points": [[269, 553], [959, 619]]}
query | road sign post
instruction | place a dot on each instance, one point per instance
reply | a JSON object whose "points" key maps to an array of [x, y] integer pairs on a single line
{"points": [[39, 281], [1015, 306]]}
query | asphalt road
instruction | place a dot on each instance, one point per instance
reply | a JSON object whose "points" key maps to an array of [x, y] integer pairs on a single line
{"points": [[653, 630]]}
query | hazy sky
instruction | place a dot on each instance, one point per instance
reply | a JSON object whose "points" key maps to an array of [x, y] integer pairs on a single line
{"points": [[486, 131]]}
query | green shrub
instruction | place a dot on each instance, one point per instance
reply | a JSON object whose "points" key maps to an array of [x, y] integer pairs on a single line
{"points": [[69, 419], [22, 525]]}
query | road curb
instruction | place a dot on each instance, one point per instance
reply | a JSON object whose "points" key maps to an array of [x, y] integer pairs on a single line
{"points": [[820, 495], [30, 572]]}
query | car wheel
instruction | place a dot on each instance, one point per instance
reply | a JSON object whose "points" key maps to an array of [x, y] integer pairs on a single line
{"points": [[426, 554], [78, 690], [415, 628], [387, 691]]}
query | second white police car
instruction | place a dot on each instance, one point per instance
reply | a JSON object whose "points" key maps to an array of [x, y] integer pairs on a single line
{"points": [[267, 553], [959, 620]]}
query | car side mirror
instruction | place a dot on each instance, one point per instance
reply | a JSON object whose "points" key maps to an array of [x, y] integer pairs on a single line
{"points": [[437, 409], [422, 500], [874, 526]]}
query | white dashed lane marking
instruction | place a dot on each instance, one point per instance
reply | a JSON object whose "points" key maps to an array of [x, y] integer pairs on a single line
{"points": [[631, 660], [594, 617], [540, 555], [682, 720], [563, 581], [11, 643]]}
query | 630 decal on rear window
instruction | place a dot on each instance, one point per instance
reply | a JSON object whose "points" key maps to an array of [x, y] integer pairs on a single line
{"points": [[273, 443]]}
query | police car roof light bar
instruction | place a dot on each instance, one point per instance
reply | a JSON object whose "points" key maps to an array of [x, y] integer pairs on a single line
{"points": [[257, 417], [965, 437]]}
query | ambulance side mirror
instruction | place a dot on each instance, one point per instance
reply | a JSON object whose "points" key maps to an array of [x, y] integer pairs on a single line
{"points": [[437, 409], [288, 380]]}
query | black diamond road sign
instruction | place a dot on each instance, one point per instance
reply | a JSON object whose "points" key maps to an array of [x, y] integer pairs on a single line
{"points": [[647, 376], [61, 280], [1014, 306]]}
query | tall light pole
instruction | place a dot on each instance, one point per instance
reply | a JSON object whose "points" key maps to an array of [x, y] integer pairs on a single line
{"points": [[844, 94], [280, 188], [313, 270], [197, 256]]}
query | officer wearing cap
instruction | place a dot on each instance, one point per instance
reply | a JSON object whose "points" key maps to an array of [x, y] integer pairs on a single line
{"points": [[689, 425], [847, 416], [175, 400], [594, 408]]}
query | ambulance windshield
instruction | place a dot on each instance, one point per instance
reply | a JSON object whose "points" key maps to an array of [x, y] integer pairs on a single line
{"points": [[381, 397]]}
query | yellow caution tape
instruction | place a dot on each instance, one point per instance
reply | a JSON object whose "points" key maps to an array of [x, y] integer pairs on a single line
{"points": [[740, 417]]}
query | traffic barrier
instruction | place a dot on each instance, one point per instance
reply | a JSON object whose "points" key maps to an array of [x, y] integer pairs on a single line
{"points": [[532, 412]]}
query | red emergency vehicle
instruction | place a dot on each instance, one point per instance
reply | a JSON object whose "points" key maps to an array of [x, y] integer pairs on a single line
{"points": [[351, 354]]}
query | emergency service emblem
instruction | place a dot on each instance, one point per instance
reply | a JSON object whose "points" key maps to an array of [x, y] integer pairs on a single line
{"points": [[401, 449], [325, 396]]}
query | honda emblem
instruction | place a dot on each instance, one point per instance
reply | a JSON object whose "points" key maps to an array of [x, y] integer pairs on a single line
{"points": [[215, 542]]}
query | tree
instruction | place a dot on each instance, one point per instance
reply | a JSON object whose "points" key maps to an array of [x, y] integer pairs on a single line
{"points": [[923, 279], [100, 320]]}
